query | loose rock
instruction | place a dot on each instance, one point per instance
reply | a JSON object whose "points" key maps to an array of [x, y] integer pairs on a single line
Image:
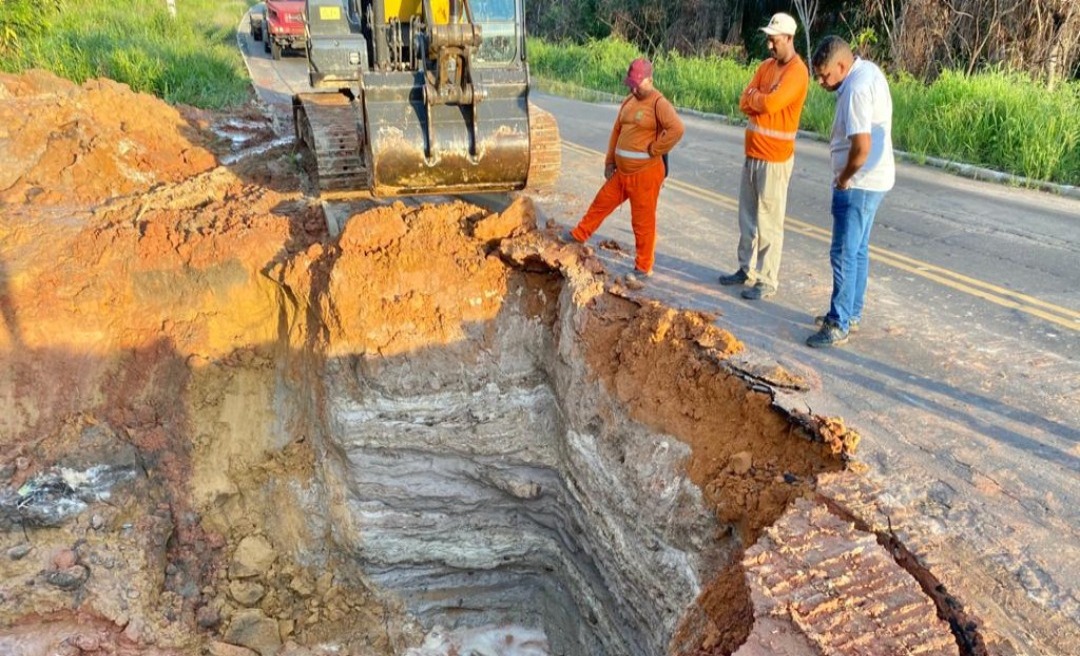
{"points": [[207, 617], [251, 628], [741, 463], [253, 557], [64, 559], [68, 578], [218, 648], [246, 592]]}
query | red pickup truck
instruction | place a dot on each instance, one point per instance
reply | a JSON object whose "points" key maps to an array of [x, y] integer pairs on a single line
{"points": [[283, 26]]}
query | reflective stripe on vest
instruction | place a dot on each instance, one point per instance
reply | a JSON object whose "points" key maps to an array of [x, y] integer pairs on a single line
{"points": [[632, 154], [774, 134]]}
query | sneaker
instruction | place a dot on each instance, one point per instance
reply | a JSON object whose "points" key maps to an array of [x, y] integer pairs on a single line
{"points": [[852, 324], [829, 335], [567, 236], [740, 277], [758, 291]]}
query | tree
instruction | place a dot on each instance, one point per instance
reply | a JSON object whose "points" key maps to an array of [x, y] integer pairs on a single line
{"points": [[807, 10]]}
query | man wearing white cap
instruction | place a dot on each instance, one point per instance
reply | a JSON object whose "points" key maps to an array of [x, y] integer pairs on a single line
{"points": [[773, 103]]}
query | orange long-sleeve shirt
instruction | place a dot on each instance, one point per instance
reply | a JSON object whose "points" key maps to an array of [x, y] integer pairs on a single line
{"points": [[773, 102], [649, 126]]}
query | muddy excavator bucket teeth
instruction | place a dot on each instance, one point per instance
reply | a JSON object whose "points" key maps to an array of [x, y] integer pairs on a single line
{"points": [[416, 148]]}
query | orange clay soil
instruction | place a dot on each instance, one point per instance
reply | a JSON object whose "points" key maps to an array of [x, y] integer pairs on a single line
{"points": [[148, 299]]}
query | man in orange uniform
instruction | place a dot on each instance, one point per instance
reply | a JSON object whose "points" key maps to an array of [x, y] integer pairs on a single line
{"points": [[772, 102], [646, 129]]}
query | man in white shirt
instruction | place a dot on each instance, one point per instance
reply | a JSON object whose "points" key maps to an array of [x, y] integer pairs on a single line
{"points": [[863, 170]]}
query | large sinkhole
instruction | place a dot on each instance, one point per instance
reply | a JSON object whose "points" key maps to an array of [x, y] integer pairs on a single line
{"points": [[510, 449], [439, 432]]}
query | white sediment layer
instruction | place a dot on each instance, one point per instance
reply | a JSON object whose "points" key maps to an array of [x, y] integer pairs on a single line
{"points": [[512, 491]]}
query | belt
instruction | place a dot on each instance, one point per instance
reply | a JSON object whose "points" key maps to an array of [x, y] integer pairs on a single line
{"points": [[632, 154]]}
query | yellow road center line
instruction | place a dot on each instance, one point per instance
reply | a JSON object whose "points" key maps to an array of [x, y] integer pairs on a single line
{"points": [[1036, 307]]}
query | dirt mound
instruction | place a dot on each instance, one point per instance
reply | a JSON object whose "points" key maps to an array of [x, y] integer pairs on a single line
{"points": [[61, 143], [411, 266]]}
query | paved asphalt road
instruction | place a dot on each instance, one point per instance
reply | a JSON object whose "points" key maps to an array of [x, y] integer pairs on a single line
{"points": [[965, 377]]}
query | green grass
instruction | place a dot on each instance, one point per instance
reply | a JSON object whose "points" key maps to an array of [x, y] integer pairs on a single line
{"points": [[994, 119], [192, 59]]}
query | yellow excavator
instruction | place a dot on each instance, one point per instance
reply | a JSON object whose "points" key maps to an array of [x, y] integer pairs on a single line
{"points": [[422, 96]]}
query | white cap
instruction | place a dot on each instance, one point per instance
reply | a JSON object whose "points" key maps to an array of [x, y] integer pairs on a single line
{"points": [[781, 23]]}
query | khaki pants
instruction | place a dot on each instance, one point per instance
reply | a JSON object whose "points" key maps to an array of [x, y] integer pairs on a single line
{"points": [[762, 205]]}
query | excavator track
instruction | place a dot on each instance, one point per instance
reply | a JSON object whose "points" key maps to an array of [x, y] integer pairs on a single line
{"points": [[329, 130], [545, 150]]}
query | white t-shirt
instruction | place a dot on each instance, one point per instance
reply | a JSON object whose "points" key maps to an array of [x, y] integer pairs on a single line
{"points": [[864, 106]]}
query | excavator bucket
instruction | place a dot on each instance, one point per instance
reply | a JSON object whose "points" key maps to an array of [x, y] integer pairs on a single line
{"points": [[422, 96], [417, 147]]}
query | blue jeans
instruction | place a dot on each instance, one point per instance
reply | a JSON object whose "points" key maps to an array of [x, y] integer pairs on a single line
{"points": [[853, 216]]}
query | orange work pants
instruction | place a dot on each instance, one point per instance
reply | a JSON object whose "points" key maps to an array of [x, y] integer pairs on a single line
{"points": [[643, 189]]}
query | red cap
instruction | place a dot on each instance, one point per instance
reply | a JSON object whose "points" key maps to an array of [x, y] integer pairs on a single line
{"points": [[640, 69]]}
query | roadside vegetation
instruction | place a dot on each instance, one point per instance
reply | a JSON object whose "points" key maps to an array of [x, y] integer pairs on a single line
{"points": [[1005, 121], [190, 59], [993, 118]]}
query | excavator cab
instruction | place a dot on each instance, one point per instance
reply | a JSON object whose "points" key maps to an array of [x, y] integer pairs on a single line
{"points": [[422, 96]]}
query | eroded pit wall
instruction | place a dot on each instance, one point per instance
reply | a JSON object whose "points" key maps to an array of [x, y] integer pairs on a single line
{"points": [[491, 480], [444, 407], [244, 421]]}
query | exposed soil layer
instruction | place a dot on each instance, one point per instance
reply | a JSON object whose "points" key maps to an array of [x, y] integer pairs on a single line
{"points": [[64, 143], [196, 383]]}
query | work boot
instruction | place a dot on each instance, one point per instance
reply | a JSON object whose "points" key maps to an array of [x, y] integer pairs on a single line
{"points": [[758, 291], [852, 324], [829, 335], [738, 278]]}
